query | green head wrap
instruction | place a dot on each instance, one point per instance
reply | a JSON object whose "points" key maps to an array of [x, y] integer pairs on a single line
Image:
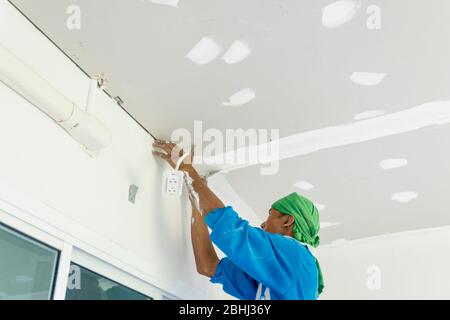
{"points": [[306, 222]]}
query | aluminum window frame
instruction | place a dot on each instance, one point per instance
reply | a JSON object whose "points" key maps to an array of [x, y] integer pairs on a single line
{"points": [[28, 224], [39, 241]]}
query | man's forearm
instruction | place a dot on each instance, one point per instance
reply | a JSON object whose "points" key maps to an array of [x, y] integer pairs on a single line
{"points": [[208, 200], [206, 258]]}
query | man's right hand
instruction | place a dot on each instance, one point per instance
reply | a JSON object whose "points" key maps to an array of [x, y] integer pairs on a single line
{"points": [[172, 153]]}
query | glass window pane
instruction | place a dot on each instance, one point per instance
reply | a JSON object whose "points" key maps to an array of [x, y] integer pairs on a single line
{"points": [[87, 285], [27, 267]]}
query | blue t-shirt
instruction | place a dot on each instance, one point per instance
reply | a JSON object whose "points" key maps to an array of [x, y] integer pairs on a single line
{"points": [[259, 264]]}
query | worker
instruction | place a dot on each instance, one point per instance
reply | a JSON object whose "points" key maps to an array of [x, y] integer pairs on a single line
{"points": [[271, 262]]}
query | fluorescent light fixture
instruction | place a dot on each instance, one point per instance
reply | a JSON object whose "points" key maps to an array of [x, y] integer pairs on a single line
{"points": [[238, 51], [367, 78], [404, 197], [326, 224], [205, 51], [304, 185], [240, 98], [83, 126], [339, 13], [369, 114], [171, 3], [393, 163], [319, 206]]}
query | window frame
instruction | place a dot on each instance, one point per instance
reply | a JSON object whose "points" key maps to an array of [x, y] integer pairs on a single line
{"points": [[37, 228], [109, 279], [113, 273], [15, 231]]}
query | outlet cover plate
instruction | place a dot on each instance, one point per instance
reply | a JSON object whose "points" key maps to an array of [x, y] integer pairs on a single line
{"points": [[172, 183]]}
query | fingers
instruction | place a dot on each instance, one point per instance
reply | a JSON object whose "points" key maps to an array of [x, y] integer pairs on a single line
{"points": [[161, 142], [161, 155], [171, 151], [165, 145], [170, 148]]}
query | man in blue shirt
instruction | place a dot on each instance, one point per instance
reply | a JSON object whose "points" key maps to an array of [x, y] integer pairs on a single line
{"points": [[271, 262]]}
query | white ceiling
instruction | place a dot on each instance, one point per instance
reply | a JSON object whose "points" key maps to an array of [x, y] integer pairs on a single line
{"points": [[300, 72]]}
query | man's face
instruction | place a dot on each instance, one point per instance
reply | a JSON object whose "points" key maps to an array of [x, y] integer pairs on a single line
{"points": [[277, 222]]}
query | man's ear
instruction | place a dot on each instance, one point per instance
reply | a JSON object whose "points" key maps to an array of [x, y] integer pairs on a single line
{"points": [[289, 220]]}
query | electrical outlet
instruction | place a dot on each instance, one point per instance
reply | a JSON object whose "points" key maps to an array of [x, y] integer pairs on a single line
{"points": [[172, 183]]}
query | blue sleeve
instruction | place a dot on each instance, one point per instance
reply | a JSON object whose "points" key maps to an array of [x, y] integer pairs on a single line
{"points": [[271, 259], [235, 281]]}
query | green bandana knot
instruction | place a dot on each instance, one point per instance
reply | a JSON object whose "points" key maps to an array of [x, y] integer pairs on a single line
{"points": [[306, 222]]}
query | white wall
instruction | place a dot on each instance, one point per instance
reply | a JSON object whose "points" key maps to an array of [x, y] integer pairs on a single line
{"points": [[412, 265], [47, 174]]}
